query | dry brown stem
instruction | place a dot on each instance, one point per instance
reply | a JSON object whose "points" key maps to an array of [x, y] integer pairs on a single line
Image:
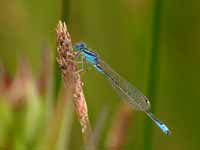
{"points": [[66, 60], [119, 131]]}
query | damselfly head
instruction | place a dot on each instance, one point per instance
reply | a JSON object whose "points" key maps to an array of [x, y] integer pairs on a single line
{"points": [[80, 46]]}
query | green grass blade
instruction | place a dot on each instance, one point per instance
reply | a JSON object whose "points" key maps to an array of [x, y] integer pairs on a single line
{"points": [[153, 70]]}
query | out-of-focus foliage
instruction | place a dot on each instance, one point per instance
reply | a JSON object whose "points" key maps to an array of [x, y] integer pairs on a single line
{"points": [[153, 44]]}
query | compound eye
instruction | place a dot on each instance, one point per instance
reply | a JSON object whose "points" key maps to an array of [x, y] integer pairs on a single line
{"points": [[82, 46]]}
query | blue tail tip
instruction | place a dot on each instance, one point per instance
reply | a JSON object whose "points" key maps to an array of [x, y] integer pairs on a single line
{"points": [[165, 129]]}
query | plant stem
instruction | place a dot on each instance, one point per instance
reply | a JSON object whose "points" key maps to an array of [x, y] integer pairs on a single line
{"points": [[72, 80], [153, 70]]}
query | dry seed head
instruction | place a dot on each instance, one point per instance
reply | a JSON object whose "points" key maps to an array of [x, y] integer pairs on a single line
{"points": [[66, 60]]}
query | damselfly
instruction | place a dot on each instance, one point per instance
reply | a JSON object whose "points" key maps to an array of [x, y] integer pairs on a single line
{"points": [[135, 98]]}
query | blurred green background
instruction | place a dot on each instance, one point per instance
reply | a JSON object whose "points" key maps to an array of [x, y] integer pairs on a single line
{"points": [[154, 44]]}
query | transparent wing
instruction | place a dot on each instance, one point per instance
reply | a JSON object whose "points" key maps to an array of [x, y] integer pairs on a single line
{"points": [[125, 90]]}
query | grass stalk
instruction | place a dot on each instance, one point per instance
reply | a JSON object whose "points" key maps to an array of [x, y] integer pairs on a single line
{"points": [[153, 70], [72, 80], [118, 134]]}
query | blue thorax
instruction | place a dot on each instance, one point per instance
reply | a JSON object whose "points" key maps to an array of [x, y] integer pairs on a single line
{"points": [[89, 55]]}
